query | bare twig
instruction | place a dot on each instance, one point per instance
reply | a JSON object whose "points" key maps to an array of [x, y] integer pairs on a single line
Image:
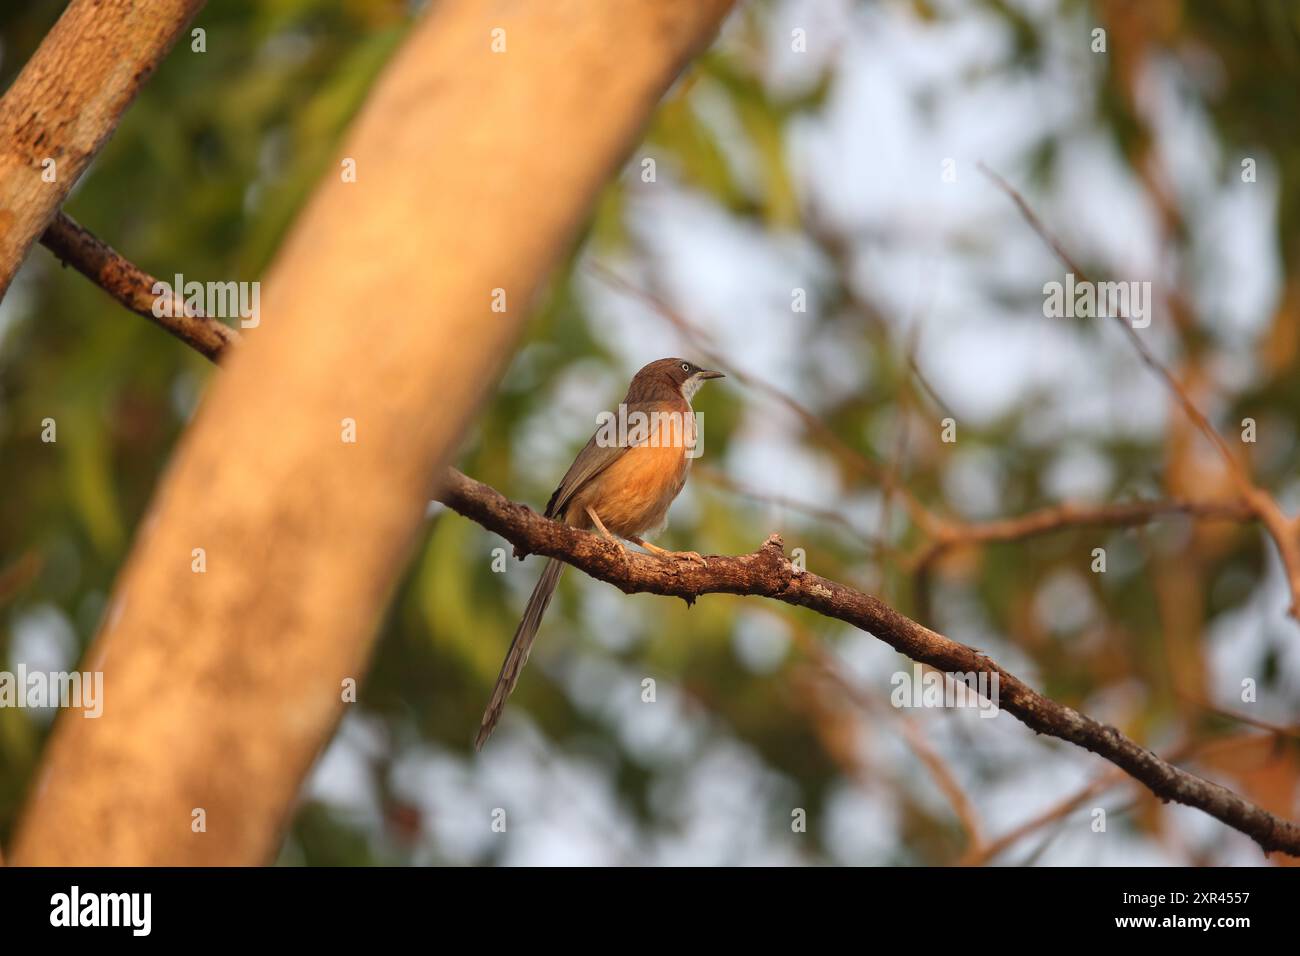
{"points": [[767, 573], [1291, 731], [133, 287], [827, 516], [1068, 515], [944, 779], [1103, 782], [978, 856], [1284, 529]]}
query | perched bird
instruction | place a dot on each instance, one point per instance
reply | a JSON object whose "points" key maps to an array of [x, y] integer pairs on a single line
{"points": [[621, 484]]}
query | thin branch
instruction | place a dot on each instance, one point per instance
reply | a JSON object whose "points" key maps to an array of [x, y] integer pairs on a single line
{"points": [[929, 390], [1068, 515], [980, 855], [829, 516], [1284, 530], [130, 285], [944, 779], [837, 245], [1103, 782], [1291, 732], [1179, 393], [897, 466], [767, 573]]}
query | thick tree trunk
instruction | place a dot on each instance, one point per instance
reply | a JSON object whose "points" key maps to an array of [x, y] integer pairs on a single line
{"points": [[66, 103], [474, 170]]}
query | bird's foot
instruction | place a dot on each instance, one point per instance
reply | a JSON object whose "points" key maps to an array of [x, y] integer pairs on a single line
{"points": [[605, 533], [625, 555], [622, 553], [670, 555]]}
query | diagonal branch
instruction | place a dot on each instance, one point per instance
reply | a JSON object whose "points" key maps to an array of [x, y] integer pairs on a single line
{"points": [[767, 573], [909, 730], [1283, 528], [979, 856], [131, 286]]}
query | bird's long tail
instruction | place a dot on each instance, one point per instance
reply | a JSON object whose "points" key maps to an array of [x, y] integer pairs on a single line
{"points": [[525, 634]]}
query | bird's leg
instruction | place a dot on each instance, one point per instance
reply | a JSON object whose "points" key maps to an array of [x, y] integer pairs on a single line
{"points": [[604, 533], [665, 553]]}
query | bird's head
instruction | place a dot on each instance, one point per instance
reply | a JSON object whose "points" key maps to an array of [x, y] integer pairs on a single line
{"points": [[669, 377]]}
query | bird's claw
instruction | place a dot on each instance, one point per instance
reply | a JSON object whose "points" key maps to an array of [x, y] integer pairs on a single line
{"points": [[623, 555]]}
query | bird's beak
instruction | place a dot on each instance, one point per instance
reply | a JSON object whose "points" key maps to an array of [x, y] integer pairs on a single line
{"points": [[707, 374]]}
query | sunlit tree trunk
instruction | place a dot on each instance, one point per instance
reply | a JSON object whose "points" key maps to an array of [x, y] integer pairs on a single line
{"points": [[387, 317], [66, 103]]}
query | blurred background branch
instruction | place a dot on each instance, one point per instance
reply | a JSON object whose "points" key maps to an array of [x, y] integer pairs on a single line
{"points": [[1284, 529]]}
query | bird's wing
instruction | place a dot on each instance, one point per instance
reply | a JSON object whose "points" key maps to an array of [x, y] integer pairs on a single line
{"points": [[591, 461]]}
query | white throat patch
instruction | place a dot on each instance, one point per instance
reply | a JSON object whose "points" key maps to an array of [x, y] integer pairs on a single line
{"points": [[691, 386]]}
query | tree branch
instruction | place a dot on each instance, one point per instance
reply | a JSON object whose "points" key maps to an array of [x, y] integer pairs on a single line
{"points": [[133, 287], [1070, 515], [1284, 529], [66, 103], [767, 573]]}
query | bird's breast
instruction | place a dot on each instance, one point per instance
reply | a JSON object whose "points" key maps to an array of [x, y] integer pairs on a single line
{"points": [[633, 494]]}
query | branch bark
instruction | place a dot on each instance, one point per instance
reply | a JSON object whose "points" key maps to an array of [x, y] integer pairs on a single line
{"points": [[475, 170], [133, 287], [767, 573], [67, 101]]}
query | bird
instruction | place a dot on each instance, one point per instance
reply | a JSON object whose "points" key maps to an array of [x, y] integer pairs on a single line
{"points": [[620, 485]]}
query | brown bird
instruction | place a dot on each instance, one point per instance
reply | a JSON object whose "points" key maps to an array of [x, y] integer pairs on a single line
{"points": [[620, 484]]}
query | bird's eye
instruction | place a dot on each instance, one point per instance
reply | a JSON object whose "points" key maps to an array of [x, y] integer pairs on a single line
{"points": [[686, 366]]}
